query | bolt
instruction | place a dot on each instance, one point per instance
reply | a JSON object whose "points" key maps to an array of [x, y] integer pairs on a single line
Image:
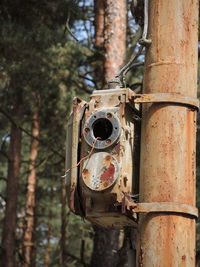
{"points": [[87, 130], [109, 115], [108, 141]]}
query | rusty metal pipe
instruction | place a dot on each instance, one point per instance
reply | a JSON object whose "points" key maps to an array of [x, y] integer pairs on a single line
{"points": [[167, 171]]}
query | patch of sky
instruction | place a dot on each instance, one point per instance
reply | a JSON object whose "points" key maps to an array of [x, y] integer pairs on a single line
{"points": [[84, 31]]}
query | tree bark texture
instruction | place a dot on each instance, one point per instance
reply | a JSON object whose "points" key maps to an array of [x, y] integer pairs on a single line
{"points": [[99, 12], [63, 237], [48, 245], [105, 247], [31, 198], [114, 37], [9, 226]]}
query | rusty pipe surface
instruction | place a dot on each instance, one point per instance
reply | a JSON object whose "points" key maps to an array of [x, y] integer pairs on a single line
{"points": [[167, 166]]}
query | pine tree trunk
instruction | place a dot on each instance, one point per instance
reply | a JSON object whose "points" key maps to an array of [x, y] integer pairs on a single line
{"points": [[114, 42], [114, 37], [30, 198], [63, 237], [99, 13], [34, 248], [9, 226], [48, 245], [105, 247]]}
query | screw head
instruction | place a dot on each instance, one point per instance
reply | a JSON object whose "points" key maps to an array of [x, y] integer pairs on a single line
{"points": [[108, 141]]}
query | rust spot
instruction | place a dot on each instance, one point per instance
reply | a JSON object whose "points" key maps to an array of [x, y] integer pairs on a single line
{"points": [[85, 174], [97, 99], [87, 130], [107, 176], [105, 184], [108, 158], [108, 141], [71, 198], [85, 171], [109, 115], [117, 148], [183, 257]]}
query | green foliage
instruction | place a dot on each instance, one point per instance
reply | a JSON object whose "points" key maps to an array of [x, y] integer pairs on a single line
{"points": [[40, 69], [43, 68]]}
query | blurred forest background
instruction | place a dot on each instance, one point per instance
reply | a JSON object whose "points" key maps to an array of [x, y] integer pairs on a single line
{"points": [[50, 52]]}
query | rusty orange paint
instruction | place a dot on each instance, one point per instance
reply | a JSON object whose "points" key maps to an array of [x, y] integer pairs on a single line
{"points": [[167, 171], [107, 176], [117, 148], [85, 174], [108, 158]]}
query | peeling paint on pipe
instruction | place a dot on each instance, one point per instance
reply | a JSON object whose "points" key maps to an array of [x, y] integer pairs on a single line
{"points": [[167, 171]]}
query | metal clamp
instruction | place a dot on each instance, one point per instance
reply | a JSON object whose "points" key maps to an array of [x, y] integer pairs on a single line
{"points": [[171, 207], [165, 98], [157, 207]]}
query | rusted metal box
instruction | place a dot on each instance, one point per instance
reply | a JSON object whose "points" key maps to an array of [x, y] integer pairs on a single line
{"points": [[102, 161]]}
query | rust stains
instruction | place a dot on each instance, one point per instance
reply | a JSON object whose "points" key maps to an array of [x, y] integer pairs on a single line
{"points": [[85, 171], [167, 134], [140, 258], [107, 176], [183, 258], [85, 174], [108, 158], [117, 148], [107, 161]]}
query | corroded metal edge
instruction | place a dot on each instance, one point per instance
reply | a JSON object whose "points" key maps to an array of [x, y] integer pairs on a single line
{"points": [[152, 207], [175, 98], [78, 112], [166, 207], [165, 98]]}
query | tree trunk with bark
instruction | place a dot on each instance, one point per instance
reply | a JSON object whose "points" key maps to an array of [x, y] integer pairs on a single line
{"points": [[99, 15], [63, 237], [9, 225], [105, 247], [28, 241], [114, 37], [110, 26], [48, 245]]}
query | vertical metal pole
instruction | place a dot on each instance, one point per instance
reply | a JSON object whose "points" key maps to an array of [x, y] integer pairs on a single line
{"points": [[167, 172]]}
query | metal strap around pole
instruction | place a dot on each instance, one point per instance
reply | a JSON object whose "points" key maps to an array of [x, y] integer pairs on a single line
{"points": [[176, 98], [168, 207]]}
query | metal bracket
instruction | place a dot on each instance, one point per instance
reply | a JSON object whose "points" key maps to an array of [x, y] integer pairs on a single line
{"points": [[163, 207], [175, 98], [171, 207]]}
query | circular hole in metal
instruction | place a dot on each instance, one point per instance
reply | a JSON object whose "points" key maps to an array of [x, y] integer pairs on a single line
{"points": [[102, 128]]}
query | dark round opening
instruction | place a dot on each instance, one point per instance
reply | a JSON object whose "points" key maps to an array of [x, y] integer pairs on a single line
{"points": [[102, 128]]}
